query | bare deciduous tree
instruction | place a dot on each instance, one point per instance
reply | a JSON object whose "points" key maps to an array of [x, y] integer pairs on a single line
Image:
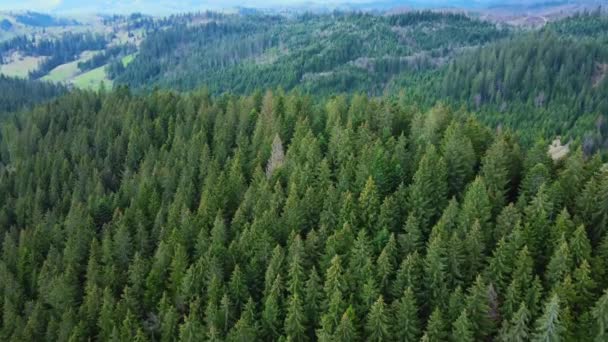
{"points": [[277, 156]]}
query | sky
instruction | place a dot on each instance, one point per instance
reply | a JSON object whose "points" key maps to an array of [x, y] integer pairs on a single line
{"points": [[172, 6]]}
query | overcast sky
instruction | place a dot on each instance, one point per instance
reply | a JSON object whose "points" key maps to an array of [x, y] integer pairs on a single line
{"points": [[166, 6], [144, 5]]}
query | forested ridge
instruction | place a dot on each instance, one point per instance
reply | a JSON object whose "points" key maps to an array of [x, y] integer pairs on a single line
{"points": [[341, 52], [282, 216], [16, 94], [542, 83]]}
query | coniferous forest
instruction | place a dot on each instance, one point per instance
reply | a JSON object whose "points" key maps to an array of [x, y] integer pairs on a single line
{"points": [[188, 204], [274, 216]]}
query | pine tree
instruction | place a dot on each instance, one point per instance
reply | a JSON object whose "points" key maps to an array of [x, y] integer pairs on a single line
{"points": [[411, 240], [369, 205], [475, 251], [476, 207], [428, 192], [549, 327], [517, 329], [238, 288], [462, 330], [560, 264], [313, 296], [600, 314], [271, 315], [456, 304], [478, 309], [346, 331], [434, 273], [459, 156], [245, 328], [377, 322], [410, 274], [385, 264], [406, 323], [191, 330], [333, 278], [295, 322], [580, 246], [584, 286], [436, 329], [495, 171]]}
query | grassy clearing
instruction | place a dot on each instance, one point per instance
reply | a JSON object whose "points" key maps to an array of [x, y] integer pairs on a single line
{"points": [[68, 71], [63, 72], [92, 79], [126, 60], [20, 66]]}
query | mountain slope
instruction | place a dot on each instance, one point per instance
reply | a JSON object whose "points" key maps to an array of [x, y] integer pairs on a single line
{"points": [[319, 53]]}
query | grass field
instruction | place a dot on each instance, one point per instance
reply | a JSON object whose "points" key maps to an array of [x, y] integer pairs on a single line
{"points": [[92, 79], [63, 72], [20, 66], [68, 71]]}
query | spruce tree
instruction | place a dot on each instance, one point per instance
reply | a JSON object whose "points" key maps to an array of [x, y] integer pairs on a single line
{"points": [[517, 329], [295, 321], [436, 328], [600, 314], [428, 192], [406, 323], [462, 329], [549, 326], [346, 330], [377, 322]]}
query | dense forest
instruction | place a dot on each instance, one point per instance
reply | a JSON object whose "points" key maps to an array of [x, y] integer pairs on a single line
{"points": [[282, 216], [334, 177], [16, 94], [341, 52], [542, 83]]}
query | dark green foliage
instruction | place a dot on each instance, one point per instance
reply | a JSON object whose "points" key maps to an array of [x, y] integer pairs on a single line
{"points": [[17, 94], [152, 217], [322, 54]]}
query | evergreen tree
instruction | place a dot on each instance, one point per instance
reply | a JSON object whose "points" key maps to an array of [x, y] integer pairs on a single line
{"points": [[459, 156], [549, 326], [428, 192], [377, 322], [462, 328], [369, 205], [346, 331], [406, 323], [295, 321], [600, 314], [436, 329], [517, 329]]}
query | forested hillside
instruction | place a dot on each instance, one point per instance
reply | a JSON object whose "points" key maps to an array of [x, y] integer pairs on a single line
{"points": [[543, 83], [321, 54], [16, 94], [281, 216]]}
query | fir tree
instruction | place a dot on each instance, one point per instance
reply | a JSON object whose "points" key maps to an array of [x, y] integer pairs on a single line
{"points": [[549, 326], [406, 324], [462, 328], [377, 322]]}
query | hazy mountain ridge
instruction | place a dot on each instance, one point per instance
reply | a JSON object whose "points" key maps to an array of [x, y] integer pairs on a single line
{"points": [[164, 7]]}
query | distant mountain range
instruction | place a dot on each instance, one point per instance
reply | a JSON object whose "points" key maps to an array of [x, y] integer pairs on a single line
{"points": [[159, 7]]}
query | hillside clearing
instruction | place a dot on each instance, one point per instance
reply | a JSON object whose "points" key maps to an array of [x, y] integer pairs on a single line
{"points": [[92, 79]]}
